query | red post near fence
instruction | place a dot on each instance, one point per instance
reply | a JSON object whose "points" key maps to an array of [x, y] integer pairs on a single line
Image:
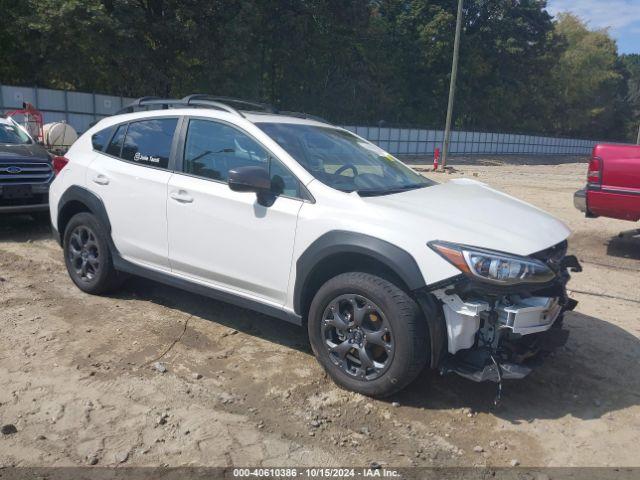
{"points": [[436, 157]]}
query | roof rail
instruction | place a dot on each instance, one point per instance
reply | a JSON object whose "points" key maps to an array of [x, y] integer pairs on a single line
{"points": [[140, 100], [304, 115], [226, 100], [204, 100], [165, 103]]}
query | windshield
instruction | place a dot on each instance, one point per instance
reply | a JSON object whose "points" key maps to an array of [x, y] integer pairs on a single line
{"points": [[12, 134], [343, 161]]}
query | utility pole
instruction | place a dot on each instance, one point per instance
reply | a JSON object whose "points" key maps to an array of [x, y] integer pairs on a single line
{"points": [[638, 139], [452, 85]]}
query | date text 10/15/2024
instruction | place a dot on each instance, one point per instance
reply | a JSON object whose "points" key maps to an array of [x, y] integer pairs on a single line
{"points": [[371, 472]]}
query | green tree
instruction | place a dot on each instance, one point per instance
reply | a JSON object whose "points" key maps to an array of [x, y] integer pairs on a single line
{"points": [[509, 51], [632, 65], [353, 62], [590, 84]]}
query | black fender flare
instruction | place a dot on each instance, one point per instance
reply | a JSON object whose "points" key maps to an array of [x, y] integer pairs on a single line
{"points": [[341, 241], [393, 257], [87, 198]]}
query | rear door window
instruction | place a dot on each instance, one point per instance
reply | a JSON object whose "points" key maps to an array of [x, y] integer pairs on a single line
{"points": [[148, 142]]}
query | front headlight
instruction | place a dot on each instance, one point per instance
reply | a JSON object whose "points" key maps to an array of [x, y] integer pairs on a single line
{"points": [[493, 267]]}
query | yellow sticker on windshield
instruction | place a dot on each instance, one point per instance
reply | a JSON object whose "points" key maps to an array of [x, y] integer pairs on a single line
{"points": [[389, 157]]}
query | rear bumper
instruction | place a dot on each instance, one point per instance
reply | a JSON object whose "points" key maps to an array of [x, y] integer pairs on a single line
{"points": [[580, 200]]}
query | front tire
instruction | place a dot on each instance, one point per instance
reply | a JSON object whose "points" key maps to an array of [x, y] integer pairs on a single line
{"points": [[368, 334], [87, 255]]}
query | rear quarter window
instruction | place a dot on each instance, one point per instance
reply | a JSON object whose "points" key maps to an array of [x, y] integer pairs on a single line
{"points": [[99, 139]]}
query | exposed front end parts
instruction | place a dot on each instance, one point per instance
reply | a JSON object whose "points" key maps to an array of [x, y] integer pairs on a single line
{"points": [[484, 322], [494, 336]]}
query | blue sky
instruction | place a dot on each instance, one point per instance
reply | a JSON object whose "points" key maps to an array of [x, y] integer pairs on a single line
{"points": [[621, 17]]}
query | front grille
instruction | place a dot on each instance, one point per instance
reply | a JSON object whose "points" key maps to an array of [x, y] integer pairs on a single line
{"points": [[13, 173]]}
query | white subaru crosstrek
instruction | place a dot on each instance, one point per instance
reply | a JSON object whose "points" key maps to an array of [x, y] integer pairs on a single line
{"points": [[296, 218]]}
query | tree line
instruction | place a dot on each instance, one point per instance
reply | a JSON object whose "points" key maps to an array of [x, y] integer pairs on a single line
{"points": [[358, 61]]}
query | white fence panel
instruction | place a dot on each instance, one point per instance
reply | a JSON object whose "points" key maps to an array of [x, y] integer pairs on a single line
{"points": [[81, 109]]}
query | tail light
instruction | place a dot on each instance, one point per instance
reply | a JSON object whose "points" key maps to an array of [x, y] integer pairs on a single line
{"points": [[594, 173], [58, 163]]}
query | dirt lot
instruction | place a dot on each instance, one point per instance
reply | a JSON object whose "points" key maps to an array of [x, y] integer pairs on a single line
{"points": [[76, 376]]}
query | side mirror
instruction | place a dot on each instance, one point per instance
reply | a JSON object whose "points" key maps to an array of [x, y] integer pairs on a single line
{"points": [[249, 179], [252, 179]]}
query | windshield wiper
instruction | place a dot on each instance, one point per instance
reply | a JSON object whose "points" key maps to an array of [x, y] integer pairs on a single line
{"points": [[388, 191]]}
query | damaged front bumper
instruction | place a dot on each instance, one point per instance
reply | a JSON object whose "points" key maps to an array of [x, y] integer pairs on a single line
{"points": [[492, 335], [485, 364]]}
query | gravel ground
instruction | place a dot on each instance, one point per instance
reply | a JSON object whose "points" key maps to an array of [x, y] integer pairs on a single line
{"points": [[80, 384]]}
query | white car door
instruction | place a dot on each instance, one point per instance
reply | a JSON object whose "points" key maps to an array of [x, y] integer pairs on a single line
{"points": [[131, 177], [224, 238]]}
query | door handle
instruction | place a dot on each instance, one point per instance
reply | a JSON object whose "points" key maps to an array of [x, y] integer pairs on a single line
{"points": [[181, 196], [101, 179]]}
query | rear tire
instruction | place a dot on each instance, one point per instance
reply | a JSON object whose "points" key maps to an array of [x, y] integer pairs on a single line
{"points": [[368, 334], [88, 257]]}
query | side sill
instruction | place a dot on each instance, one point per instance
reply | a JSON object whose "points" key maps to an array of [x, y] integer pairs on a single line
{"points": [[125, 266]]}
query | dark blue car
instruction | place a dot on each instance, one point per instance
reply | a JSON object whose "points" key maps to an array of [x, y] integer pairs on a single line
{"points": [[25, 172]]}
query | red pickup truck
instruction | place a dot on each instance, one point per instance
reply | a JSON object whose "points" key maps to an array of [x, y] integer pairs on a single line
{"points": [[613, 183]]}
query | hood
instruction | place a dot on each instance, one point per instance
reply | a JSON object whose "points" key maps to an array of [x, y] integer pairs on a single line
{"points": [[23, 153], [469, 212]]}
